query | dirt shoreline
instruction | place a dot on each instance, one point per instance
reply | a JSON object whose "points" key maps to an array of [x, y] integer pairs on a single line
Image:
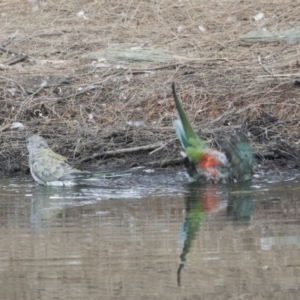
{"points": [[91, 110]]}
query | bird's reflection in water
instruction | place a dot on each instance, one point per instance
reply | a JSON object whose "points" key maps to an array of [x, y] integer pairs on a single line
{"points": [[234, 200], [240, 202], [48, 204]]}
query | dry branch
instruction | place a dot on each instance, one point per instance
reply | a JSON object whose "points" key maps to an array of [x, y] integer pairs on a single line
{"points": [[21, 56], [165, 162], [121, 151]]}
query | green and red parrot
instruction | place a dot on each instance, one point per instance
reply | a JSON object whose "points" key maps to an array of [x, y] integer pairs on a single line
{"points": [[233, 163]]}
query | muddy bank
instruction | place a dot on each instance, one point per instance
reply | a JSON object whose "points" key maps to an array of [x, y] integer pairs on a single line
{"points": [[115, 110]]}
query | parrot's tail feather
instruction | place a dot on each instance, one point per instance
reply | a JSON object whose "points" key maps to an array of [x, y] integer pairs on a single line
{"points": [[185, 123], [181, 134], [193, 145], [89, 176]]}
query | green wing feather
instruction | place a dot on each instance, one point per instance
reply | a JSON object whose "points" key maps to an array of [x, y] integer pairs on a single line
{"points": [[192, 144], [241, 157]]}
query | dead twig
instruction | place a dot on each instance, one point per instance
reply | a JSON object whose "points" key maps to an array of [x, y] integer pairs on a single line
{"points": [[264, 67], [165, 162], [190, 63], [162, 146], [121, 151], [4, 49], [17, 60], [21, 56]]}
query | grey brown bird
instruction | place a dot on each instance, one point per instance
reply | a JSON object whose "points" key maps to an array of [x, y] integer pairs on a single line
{"points": [[50, 168]]}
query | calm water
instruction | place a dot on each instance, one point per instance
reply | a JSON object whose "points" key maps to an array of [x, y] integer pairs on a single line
{"points": [[154, 237]]}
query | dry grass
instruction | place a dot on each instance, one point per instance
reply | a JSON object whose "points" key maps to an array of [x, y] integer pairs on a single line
{"points": [[220, 81]]}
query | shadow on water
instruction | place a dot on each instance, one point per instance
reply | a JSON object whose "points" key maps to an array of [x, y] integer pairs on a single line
{"points": [[201, 200]]}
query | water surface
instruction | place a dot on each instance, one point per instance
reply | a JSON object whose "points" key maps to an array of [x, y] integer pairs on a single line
{"points": [[155, 237]]}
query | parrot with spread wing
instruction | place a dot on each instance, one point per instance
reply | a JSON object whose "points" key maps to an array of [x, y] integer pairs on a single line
{"points": [[233, 163]]}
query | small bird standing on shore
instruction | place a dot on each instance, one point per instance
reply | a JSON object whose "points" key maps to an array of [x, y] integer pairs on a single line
{"points": [[50, 168], [206, 164]]}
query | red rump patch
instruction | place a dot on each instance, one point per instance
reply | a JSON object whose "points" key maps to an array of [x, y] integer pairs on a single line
{"points": [[209, 161]]}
